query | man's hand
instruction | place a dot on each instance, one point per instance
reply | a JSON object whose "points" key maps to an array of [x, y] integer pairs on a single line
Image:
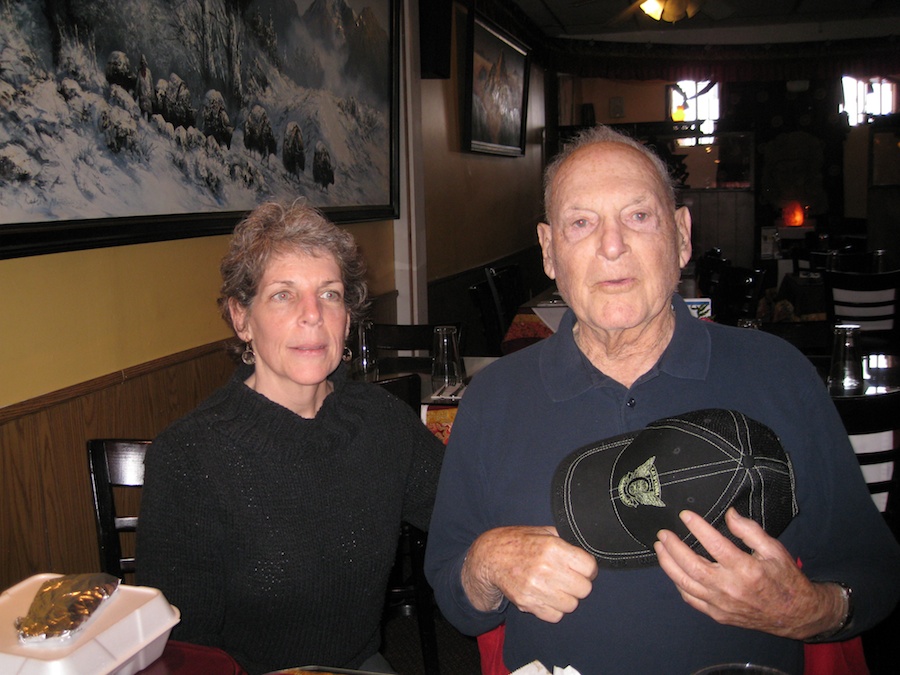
{"points": [[764, 590], [532, 567]]}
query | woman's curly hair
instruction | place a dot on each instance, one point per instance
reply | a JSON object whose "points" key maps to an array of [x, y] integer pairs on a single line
{"points": [[273, 229]]}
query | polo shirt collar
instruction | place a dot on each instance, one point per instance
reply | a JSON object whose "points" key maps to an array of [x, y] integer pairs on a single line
{"points": [[567, 373]]}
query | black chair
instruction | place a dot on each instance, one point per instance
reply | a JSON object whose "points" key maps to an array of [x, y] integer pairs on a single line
{"points": [[391, 339], [408, 590], [709, 268], [114, 463], [809, 262], [491, 327], [864, 416], [737, 293], [507, 290], [873, 423], [497, 299], [868, 300]]}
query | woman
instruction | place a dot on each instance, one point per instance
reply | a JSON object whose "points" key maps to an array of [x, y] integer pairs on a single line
{"points": [[271, 513]]}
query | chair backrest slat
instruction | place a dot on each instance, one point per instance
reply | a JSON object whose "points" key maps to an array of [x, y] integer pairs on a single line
{"points": [[870, 300]]}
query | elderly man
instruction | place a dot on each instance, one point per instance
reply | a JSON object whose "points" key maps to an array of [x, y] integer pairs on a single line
{"points": [[627, 353]]}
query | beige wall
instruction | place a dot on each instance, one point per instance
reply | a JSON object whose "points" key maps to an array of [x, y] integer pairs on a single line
{"points": [[478, 207], [641, 101], [71, 317]]}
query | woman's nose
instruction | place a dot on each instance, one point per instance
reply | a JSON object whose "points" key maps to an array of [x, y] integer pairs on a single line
{"points": [[310, 311]]}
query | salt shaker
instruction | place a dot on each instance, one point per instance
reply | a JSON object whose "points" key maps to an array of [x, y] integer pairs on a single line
{"points": [[446, 367], [845, 377], [366, 365]]}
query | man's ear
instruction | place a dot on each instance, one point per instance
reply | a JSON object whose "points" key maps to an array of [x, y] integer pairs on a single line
{"points": [[683, 232], [545, 236]]}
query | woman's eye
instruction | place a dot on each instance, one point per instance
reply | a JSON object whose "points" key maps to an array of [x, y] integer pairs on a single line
{"points": [[281, 296], [331, 295]]}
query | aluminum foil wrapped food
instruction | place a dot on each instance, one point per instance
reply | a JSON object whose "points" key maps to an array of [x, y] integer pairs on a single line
{"points": [[63, 605]]}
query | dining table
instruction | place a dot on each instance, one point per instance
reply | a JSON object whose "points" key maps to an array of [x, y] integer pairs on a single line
{"points": [[438, 413], [535, 320]]}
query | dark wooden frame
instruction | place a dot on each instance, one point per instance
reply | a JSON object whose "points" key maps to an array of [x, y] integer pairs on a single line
{"points": [[53, 236], [485, 43]]}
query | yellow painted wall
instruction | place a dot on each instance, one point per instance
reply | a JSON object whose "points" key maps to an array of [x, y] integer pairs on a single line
{"points": [[478, 207], [70, 317]]}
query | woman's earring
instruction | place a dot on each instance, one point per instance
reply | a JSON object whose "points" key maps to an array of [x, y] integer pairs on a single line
{"points": [[348, 355], [248, 356]]}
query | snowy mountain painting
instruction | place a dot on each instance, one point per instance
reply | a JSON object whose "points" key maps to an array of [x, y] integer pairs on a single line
{"points": [[123, 108]]}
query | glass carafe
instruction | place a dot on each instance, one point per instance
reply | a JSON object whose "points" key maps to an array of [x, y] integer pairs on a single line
{"points": [[446, 367]]}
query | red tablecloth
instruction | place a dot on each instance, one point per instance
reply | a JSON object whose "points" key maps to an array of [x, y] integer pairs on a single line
{"points": [[439, 420], [183, 658]]}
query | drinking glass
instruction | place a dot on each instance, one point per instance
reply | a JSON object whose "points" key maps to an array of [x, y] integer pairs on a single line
{"points": [[365, 366], [845, 376], [446, 366]]}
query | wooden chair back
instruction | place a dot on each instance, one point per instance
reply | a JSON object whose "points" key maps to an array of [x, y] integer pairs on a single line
{"points": [[114, 463]]}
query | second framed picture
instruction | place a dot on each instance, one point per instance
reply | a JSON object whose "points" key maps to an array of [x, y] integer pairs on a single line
{"points": [[496, 96]]}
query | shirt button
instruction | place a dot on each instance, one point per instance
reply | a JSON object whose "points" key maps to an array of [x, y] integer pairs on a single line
{"points": [[631, 403]]}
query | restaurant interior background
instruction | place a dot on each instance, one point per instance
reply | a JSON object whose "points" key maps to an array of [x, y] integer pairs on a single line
{"points": [[119, 341]]}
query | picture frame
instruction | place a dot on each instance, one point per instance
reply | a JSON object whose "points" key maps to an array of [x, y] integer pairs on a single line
{"points": [[126, 127], [496, 90]]}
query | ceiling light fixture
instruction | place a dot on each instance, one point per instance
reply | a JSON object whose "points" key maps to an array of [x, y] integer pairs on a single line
{"points": [[652, 8], [671, 10]]}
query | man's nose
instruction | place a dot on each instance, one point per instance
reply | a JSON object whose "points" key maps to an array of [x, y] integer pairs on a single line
{"points": [[611, 240]]}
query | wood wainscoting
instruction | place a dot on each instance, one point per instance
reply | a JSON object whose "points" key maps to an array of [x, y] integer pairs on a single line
{"points": [[46, 511]]}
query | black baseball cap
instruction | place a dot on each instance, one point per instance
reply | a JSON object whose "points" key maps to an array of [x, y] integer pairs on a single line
{"points": [[612, 497]]}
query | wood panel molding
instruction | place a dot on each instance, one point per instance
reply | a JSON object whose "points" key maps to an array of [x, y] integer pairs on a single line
{"points": [[96, 384]]}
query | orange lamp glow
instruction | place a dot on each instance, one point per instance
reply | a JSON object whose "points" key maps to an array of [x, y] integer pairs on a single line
{"points": [[793, 214]]}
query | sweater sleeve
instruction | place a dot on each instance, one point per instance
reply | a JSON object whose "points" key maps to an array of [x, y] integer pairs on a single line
{"points": [[179, 536], [425, 453]]}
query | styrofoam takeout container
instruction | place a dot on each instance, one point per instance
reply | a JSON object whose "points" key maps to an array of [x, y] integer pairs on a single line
{"points": [[127, 635]]}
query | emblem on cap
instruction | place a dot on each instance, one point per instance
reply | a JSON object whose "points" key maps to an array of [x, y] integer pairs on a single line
{"points": [[641, 486]]}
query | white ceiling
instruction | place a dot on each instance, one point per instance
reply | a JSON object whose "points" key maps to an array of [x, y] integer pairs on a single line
{"points": [[717, 21]]}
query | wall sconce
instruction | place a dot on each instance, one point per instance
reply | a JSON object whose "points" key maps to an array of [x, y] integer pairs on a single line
{"points": [[793, 214]]}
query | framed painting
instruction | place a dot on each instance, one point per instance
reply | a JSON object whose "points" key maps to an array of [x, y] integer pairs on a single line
{"points": [[496, 96], [127, 121]]}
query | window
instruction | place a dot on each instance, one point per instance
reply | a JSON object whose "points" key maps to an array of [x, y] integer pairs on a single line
{"points": [[696, 104], [865, 98]]}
